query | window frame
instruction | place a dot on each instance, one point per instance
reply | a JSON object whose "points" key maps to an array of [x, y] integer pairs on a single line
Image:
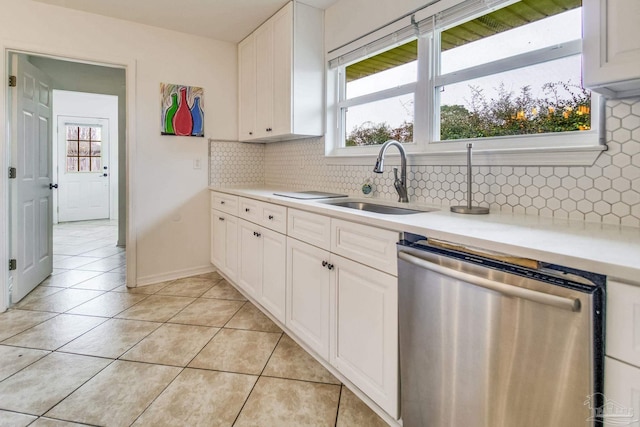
{"points": [[561, 148]]}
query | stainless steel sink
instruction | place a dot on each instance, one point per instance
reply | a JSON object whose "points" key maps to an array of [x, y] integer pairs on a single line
{"points": [[375, 207]]}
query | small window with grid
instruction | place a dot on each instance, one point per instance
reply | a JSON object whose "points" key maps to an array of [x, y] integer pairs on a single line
{"points": [[84, 148]]}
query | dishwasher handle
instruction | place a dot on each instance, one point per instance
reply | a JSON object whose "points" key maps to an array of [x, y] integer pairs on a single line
{"points": [[571, 304]]}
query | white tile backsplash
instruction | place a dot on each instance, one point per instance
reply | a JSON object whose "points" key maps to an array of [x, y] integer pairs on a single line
{"points": [[236, 163], [608, 191]]}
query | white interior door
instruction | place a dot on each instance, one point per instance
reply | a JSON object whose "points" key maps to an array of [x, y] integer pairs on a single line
{"points": [[32, 208], [83, 171]]}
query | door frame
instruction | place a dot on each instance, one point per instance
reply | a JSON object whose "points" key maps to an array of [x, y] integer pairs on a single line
{"points": [[105, 123], [67, 54], [102, 112]]}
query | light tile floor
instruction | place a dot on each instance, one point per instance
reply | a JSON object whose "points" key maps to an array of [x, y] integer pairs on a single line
{"points": [[82, 349]]}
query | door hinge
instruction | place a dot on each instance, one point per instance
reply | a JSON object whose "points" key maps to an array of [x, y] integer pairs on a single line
{"points": [[12, 81], [12, 173], [13, 264]]}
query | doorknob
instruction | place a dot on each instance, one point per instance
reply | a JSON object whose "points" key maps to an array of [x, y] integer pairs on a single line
{"points": [[52, 186]]}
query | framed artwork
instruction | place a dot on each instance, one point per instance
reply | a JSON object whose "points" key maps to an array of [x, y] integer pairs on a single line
{"points": [[182, 110]]}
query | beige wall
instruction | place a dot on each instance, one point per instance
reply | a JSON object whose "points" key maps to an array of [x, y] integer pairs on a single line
{"points": [[170, 198]]}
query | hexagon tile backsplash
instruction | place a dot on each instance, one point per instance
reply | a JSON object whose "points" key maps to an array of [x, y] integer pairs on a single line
{"points": [[608, 191]]}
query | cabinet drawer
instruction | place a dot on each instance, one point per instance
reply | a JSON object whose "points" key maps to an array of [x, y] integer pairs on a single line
{"points": [[310, 228], [623, 322], [367, 245], [274, 217], [622, 391], [250, 209], [225, 203]]}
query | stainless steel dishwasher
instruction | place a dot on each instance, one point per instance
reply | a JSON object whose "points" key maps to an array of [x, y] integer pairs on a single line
{"points": [[486, 343]]}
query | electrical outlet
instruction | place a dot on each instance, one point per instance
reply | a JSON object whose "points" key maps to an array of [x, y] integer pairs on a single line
{"points": [[197, 163]]}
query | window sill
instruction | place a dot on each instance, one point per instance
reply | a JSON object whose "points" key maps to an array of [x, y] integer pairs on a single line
{"points": [[576, 155]]}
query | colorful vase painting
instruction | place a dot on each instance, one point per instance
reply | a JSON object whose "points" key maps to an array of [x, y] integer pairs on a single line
{"points": [[182, 110]]}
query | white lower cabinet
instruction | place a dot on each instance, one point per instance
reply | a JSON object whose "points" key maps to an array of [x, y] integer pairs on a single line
{"points": [[622, 364], [622, 392], [308, 281], [261, 266], [365, 330], [347, 312], [331, 282], [224, 243], [623, 322]]}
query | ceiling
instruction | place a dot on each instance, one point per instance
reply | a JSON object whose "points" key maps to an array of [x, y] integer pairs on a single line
{"points": [[227, 20]]}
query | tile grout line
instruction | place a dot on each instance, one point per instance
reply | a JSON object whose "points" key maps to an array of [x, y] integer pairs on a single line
{"points": [[182, 369], [339, 403]]}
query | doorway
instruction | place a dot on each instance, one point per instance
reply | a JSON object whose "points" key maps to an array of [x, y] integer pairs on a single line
{"points": [[95, 198], [85, 159]]}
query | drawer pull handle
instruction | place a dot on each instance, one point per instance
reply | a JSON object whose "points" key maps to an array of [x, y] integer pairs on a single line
{"points": [[222, 202], [220, 218], [255, 233], [326, 264], [247, 209], [271, 217]]}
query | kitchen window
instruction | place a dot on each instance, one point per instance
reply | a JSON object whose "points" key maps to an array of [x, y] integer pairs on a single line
{"points": [[378, 97], [506, 78]]}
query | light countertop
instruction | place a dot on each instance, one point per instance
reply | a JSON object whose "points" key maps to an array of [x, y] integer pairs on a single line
{"points": [[601, 248]]}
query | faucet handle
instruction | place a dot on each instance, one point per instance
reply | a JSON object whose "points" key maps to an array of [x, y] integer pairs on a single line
{"points": [[395, 173]]}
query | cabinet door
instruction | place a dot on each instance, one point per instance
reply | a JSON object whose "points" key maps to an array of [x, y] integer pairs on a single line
{"points": [[218, 239], [623, 322], [308, 295], [247, 88], [611, 48], [264, 79], [274, 262], [231, 246], [224, 243], [282, 69], [365, 330], [622, 392], [250, 258]]}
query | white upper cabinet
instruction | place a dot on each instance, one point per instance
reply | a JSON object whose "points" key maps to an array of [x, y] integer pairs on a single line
{"points": [[281, 77], [611, 50]]}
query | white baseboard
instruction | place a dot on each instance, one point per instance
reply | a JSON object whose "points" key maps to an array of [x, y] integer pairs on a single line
{"points": [[173, 275]]}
